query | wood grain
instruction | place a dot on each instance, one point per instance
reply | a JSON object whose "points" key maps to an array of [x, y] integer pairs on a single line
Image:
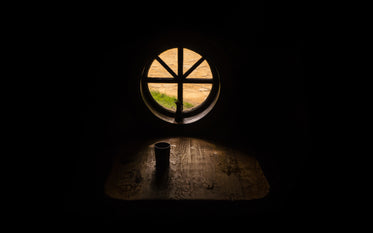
{"points": [[199, 170]]}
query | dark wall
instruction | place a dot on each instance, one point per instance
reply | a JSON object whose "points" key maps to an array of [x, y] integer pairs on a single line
{"points": [[260, 64], [258, 49]]}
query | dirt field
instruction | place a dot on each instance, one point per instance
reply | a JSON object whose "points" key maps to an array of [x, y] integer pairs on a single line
{"points": [[192, 93]]}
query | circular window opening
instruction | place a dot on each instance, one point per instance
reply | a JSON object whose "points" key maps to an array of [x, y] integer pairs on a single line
{"points": [[180, 85]]}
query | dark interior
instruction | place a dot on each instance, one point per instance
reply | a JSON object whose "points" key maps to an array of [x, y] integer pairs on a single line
{"points": [[260, 51]]}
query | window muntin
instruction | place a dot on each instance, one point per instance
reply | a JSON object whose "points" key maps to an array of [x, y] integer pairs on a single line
{"points": [[169, 57], [181, 84]]}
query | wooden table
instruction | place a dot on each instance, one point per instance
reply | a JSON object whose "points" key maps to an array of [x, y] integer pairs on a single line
{"points": [[199, 170]]}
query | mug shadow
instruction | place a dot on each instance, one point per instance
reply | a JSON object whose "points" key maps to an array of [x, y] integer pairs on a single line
{"points": [[160, 178]]}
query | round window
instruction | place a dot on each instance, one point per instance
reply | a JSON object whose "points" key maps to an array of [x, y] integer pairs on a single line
{"points": [[180, 85]]}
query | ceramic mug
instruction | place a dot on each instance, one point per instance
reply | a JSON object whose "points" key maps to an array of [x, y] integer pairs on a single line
{"points": [[162, 154]]}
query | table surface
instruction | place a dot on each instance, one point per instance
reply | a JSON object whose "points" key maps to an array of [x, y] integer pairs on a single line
{"points": [[198, 170]]}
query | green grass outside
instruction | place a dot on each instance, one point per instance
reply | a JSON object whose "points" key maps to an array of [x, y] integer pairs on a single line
{"points": [[168, 101]]}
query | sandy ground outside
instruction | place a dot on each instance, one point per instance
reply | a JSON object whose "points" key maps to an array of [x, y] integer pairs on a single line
{"points": [[192, 93]]}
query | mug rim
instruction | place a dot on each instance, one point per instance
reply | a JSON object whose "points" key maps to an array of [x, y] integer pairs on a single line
{"points": [[162, 145]]}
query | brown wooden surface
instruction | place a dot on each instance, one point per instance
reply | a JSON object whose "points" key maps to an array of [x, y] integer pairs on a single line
{"points": [[199, 170]]}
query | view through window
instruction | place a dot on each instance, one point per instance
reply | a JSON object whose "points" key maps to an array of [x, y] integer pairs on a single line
{"points": [[189, 84]]}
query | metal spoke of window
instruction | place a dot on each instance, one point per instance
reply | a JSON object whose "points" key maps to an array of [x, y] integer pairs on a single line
{"points": [[179, 77]]}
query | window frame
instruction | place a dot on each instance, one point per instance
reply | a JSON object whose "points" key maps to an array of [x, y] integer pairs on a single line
{"points": [[179, 116]]}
